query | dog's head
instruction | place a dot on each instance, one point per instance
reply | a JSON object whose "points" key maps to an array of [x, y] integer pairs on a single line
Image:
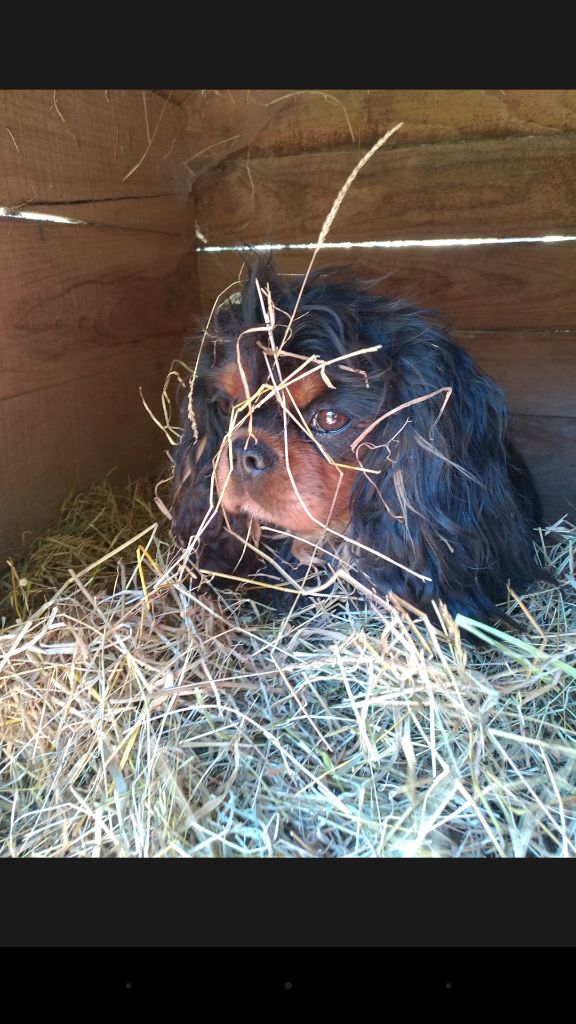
{"points": [[328, 410], [281, 394]]}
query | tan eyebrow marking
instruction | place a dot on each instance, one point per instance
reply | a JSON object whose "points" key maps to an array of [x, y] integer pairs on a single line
{"points": [[230, 381], [302, 391], [306, 390]]}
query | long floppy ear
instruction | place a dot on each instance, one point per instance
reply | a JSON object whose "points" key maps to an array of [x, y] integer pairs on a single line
{"points": [[219, 542], [445, 502], [195, 514]]}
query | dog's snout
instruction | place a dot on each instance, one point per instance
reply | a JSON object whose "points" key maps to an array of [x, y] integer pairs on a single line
{"points": [[252, 459]]}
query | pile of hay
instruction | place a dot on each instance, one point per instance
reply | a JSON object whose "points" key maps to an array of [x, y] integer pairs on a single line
{"points": [[142, 718]]}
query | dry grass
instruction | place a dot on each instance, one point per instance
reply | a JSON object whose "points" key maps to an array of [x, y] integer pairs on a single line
{"points": [[140, 717], [89, 527]]}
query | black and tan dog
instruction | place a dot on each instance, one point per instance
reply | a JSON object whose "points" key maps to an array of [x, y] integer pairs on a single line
{"points": [[331, 411]]}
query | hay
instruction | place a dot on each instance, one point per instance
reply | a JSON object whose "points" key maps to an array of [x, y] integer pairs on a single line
{"points": [[89, 527], [141, 717]]}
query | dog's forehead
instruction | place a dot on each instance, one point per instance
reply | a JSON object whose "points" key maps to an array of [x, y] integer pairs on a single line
{"points": [[250, 364]]}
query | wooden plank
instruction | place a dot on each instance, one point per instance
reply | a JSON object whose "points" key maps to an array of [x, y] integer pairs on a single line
{"points": [[548, 444], [75, 301], [282, 121], [81, 145], [504, 287], [537, 369], [171, 214], [178, 96], [512, 187], [63, 438]]}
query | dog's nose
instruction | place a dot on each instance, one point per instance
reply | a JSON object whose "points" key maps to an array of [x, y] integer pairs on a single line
{"points": [[251, 460]]}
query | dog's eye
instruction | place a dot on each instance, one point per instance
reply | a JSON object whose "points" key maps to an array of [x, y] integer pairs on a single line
{"points": [[329, 421], [225, 405]]}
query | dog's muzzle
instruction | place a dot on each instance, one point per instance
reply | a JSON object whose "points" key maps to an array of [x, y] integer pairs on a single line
{"points": [[250, 459]]}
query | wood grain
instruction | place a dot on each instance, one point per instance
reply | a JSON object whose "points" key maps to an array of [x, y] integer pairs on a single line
{"points": [[168, 214], [76, 301], [548, 444], [512, 187], [178, 96], [504, 287], [536, 369], [63, 438], [80, 145], [283, 121]]}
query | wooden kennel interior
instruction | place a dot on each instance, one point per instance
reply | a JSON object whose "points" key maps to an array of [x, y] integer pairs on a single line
{"points": [[121, 210]]}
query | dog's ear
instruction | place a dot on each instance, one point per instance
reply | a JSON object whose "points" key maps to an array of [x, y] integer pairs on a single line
{"points": [[196, 516], [443, 502]]}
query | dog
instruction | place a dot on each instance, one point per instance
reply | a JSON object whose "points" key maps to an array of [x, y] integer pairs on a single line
{"points": [[334, 415]]}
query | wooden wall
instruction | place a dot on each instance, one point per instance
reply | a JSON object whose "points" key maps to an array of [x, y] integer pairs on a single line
{"points": [[89, 312], [267, 166]]}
